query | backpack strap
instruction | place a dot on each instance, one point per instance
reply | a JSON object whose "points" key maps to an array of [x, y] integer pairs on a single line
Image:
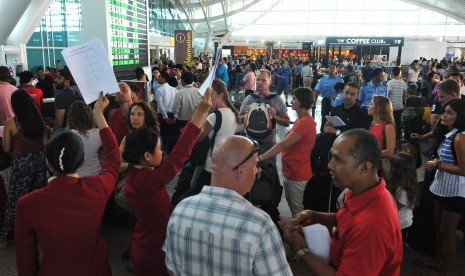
{"points": [[216, 128]]}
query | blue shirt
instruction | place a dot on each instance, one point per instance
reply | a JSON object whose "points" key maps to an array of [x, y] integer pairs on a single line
{"points": [[446, 184], [222, 73], [298, 69], [338, 100], [326, 86], [370, 90], [286, 73]]}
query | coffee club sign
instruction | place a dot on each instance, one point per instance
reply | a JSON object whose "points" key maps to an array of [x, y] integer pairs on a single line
{"points": [[392, 41]]}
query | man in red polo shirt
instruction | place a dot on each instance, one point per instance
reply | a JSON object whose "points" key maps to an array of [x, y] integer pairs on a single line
{"points": [[25, 80], [366, 236]]}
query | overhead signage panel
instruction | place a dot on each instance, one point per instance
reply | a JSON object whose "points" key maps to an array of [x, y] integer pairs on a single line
{"points": [[391, 41]]}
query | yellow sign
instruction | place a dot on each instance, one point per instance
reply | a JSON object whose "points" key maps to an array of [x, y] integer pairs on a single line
{"points": [[171, 41]]}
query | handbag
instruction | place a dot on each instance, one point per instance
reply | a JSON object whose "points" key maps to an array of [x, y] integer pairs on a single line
{"points": [[200, 150], [120, 199]]}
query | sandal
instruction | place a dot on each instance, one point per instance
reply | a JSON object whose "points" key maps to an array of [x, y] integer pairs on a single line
{"points": [[431, 264]]}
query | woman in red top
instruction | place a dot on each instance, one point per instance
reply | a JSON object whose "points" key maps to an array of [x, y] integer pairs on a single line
{"points": [[145, 188], [296, 148], [383, 126], [25, 136], [63, 218]]}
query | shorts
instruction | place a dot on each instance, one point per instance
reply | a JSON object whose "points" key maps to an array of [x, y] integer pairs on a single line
{"points": [[454, 204], [286, 90]]}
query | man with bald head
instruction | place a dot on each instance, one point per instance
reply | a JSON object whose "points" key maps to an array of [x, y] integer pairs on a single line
{"points": [[118, 121], [219, 232]]}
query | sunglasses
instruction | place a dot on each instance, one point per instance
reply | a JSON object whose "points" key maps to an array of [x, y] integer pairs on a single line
{"points": [[255, 150]]}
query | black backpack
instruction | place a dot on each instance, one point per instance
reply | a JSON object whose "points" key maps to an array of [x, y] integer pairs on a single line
{"points": [[258, 124], [200, 150], [319, 156], [266, 187]]}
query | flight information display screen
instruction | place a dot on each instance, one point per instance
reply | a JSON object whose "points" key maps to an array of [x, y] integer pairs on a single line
{"points": [[129, 43]]}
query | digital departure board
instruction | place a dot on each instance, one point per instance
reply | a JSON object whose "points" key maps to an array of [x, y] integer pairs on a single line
{"points": [[129, 43]]}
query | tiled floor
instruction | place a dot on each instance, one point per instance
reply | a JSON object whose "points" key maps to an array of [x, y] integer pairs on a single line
{"points": [[118, 239]]}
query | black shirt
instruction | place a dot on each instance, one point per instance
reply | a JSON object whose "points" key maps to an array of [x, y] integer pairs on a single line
{"points": [[46, 84], [436, 108], [353, 117]]}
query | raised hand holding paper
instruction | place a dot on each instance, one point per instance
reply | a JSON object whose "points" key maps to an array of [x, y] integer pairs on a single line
{"points": [[91, 69], [208, 81]]}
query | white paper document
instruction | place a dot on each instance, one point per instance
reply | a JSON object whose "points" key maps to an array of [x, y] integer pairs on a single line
{"points": [[335, 121], [91, 69], [211, 76], [318, 240]]}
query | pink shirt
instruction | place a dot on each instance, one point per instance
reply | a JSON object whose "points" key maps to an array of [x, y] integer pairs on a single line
{"points": [[249, 81], [6, 111]]}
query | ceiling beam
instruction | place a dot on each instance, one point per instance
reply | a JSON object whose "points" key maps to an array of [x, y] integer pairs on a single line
{"points": [[224, 17], [424, 4], [206, 17], [181, 6], [200, 3], [227, 35], [228, 14]]}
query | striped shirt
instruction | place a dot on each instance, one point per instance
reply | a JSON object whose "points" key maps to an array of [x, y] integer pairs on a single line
{"points": [[446, 184], [395, 91], [218, 232]]}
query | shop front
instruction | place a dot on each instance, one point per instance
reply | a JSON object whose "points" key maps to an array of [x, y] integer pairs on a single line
{"points": [[362, 49]]}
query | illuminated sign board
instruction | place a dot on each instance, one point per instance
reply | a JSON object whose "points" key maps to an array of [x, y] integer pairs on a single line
{"points": [[128, 25], [391, 41]]}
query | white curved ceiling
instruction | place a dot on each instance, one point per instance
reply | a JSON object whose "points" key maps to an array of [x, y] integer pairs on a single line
{"points": [[214, 17]]}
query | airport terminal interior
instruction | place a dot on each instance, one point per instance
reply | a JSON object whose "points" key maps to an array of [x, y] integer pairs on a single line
{"points": [[402, 60]]}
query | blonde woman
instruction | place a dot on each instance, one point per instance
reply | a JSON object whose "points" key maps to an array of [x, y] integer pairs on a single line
{"points": [[383, 128]]}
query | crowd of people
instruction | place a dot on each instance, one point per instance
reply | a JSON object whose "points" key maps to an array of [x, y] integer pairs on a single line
{"points": [[123, 151]]}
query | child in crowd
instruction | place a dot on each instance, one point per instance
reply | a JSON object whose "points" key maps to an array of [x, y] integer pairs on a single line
{"points": [[402, 184]]}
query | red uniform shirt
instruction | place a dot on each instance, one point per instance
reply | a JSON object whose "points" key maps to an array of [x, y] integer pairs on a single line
{"points": [[63, 220], [35, 93], [368, 240], [145, 191], [118, 125]]}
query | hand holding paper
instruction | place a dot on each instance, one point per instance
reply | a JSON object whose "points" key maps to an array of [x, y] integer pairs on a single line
{"points": [[335, 121], [208, 81], [318, 240], [91, 69]]}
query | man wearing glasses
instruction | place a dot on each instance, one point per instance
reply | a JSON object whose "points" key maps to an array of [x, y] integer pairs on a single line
{"points": [[218, 232]]}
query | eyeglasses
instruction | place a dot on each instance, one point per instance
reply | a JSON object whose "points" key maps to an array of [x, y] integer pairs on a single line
{"points": [[255, 150]]}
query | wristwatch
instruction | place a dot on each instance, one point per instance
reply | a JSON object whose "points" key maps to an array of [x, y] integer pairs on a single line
{"points": [[300, 253]]}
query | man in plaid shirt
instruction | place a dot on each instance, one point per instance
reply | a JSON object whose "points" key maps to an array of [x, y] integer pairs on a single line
{"points": [[218, 232]]}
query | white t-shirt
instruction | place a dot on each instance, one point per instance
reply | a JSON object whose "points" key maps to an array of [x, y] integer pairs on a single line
{"points": [[405, 213], [228, 128], [92, 144], [413, 75]]}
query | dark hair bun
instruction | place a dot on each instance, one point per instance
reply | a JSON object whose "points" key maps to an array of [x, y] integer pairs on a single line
{"points": [[65, 151]]}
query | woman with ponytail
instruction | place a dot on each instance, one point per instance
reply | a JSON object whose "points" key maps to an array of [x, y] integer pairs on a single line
{"points": [[63, 218], [229, 123]]}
